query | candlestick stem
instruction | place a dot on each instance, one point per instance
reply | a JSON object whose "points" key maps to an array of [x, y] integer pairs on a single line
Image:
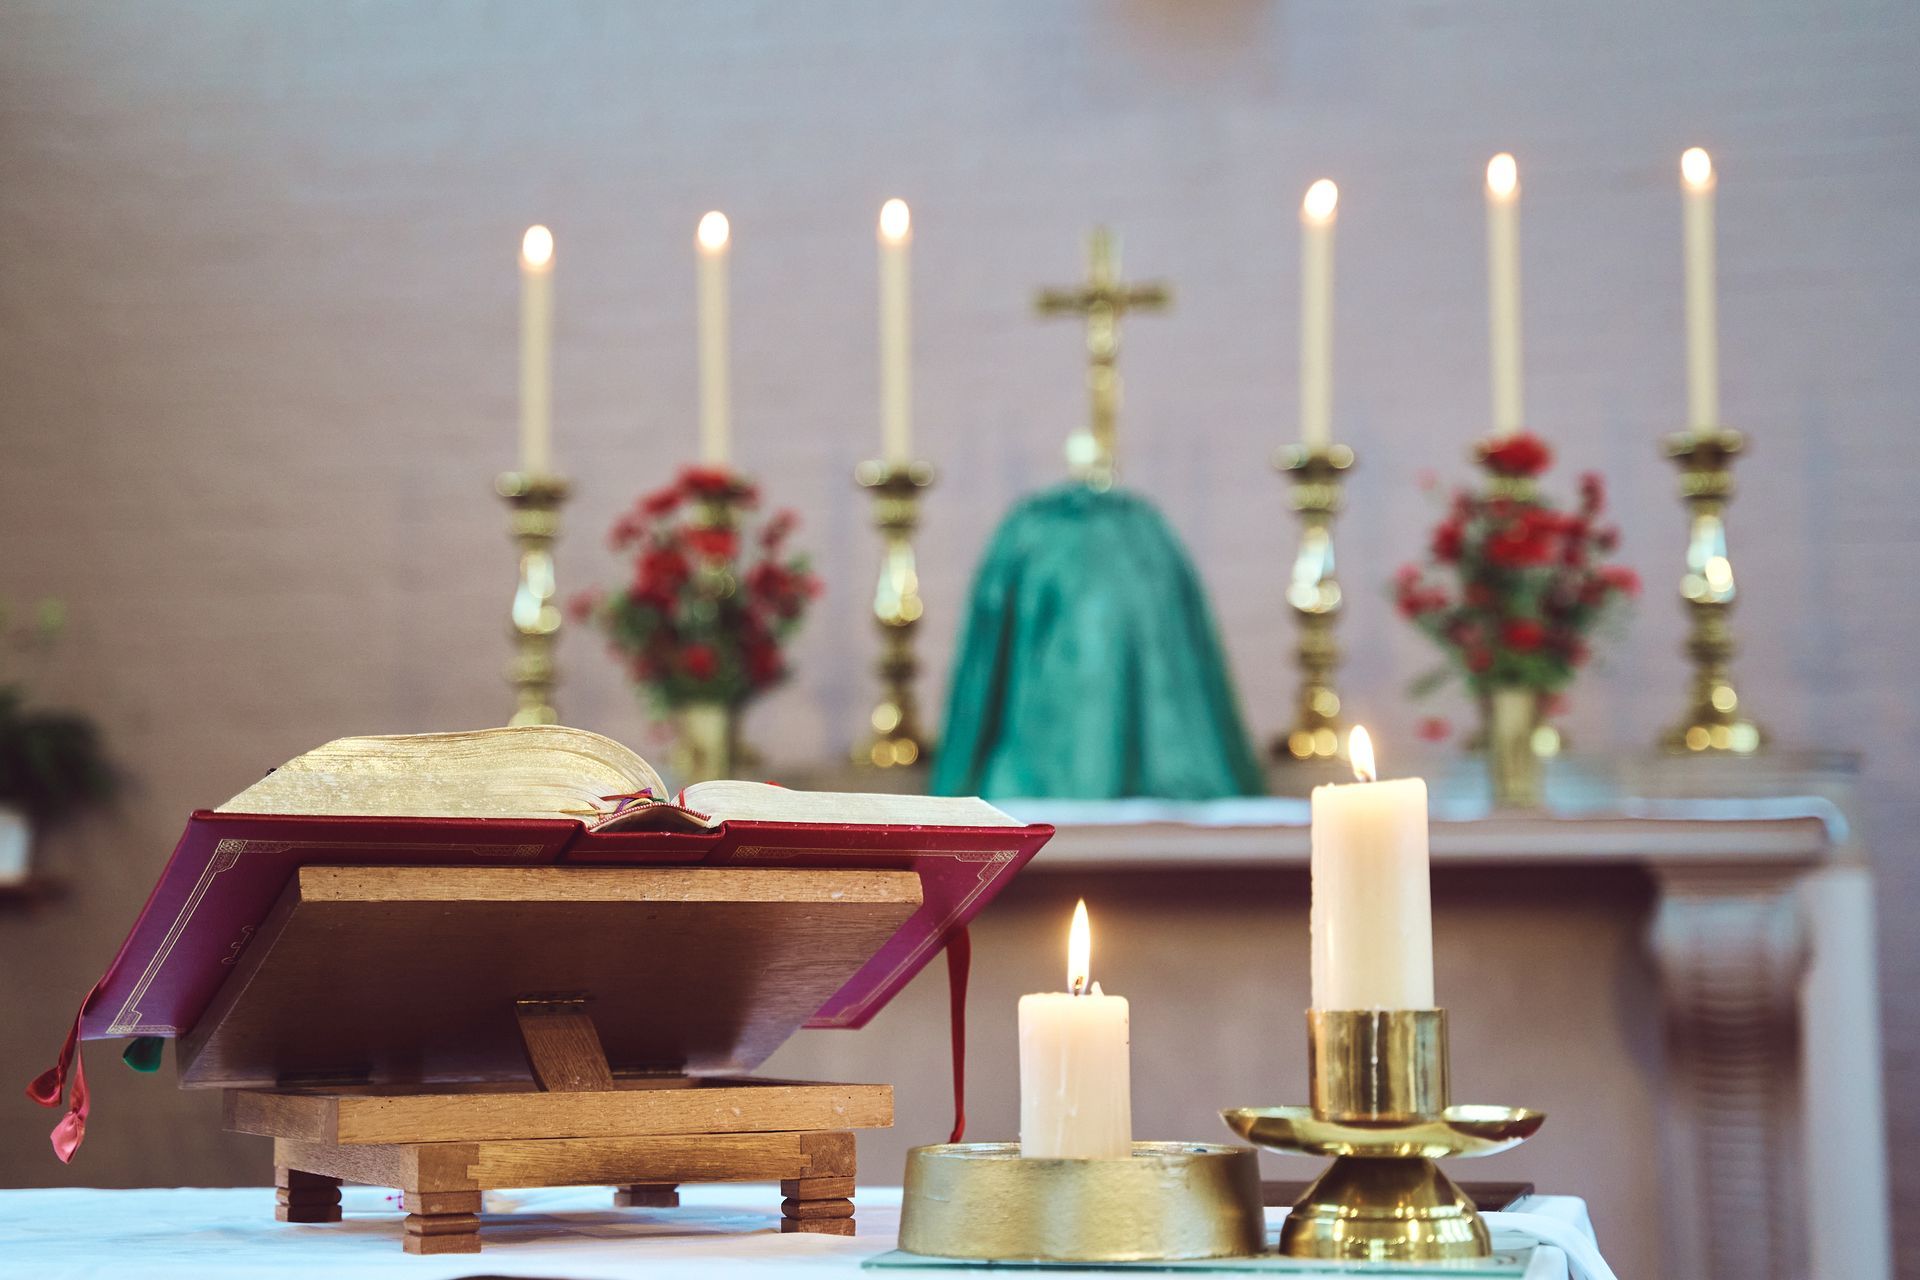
{"points": [[533, 502], [1316, 472], [1714, 720], [897, 736]]}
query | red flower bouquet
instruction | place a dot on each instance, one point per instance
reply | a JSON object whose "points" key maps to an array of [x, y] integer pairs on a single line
{"points": [[704, 614], [1514, 587]]}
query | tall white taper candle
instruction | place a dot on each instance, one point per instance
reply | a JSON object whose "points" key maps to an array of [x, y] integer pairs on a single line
{"points": [[536, 351], [896, 347], [1697, 182], [1316, 313], [1503, 290], [713, 238], [1372, 915]]}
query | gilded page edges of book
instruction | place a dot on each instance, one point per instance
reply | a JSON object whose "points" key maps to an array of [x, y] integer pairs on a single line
{"points": [[729, 800], [527, 771]]}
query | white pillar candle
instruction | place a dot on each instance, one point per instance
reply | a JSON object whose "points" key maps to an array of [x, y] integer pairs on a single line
{"points": [[896, 418], [1703, 337], [712, 239], [536, 351], [1503, 290], [1316, 313], [1076, 1098], [1372, 917]]}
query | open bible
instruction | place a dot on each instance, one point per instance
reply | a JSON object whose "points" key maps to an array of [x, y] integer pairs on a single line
{"points": [[542, 797]]}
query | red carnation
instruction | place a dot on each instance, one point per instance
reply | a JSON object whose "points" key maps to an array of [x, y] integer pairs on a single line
{"points": [[1520, 454], [1447, 541], [582, 605], [1478, 660], [698, 661], [713, 543], [777, 529], [1523, 634], [1621, 579], [660, 502], [1593, 493]]}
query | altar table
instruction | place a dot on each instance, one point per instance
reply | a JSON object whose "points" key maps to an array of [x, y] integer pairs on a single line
{"points": [[572, 1233]]}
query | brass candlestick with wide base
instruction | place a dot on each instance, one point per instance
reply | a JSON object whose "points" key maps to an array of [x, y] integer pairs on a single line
{"points": [[1379, 1086], [1314, 594], [897, 737], [534, 501], [1714, 720]]}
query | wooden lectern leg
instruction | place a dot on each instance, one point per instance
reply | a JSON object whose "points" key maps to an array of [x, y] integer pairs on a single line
{"points": [[305, 1197], [647, 1195], [823, 1206], [442, 1221]]}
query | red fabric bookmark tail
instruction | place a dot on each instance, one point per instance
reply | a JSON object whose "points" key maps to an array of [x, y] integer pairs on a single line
{"points": [[47, 1088], [959, 962]]}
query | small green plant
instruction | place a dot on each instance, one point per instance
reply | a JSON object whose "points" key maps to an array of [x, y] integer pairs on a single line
{"points": [[52, 763]]}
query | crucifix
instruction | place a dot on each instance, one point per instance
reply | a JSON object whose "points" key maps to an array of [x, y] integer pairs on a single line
{"points": [[1103, 299]]}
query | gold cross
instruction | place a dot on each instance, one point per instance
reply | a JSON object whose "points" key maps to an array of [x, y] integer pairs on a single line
{"points": [[1103, 299]]}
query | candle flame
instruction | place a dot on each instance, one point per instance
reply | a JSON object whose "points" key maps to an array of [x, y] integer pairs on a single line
{"points": [[714, 231], [536, 247], [1360, 752], [1080, 951], [1322, 196], [895, 221], [1696, 168], [1503, 176]]}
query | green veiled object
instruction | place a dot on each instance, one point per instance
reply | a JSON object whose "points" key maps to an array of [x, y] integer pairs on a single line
{"points": [[1089, 665]]}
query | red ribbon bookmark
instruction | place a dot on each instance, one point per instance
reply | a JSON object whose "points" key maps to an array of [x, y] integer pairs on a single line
{"points": [[959, 961], [48, 1086]]}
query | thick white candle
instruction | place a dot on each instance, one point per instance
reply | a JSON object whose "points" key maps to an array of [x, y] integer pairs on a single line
{"points": [[536, 351], [712, 240], [1076, 1099], [896, 388], [1372, 917], [1503, 290], [1316, 313], [1703, 337]]}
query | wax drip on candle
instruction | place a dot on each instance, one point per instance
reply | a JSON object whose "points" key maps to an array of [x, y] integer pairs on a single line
{"points": [[1360, 752], [1080, 951]]}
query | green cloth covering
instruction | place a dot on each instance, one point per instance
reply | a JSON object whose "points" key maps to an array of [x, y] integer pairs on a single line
{"points": [[1089, 666], [143, 1054]]}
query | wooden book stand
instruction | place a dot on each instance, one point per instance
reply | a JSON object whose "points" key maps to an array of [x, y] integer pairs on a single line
{"points": [[446, 1031]]}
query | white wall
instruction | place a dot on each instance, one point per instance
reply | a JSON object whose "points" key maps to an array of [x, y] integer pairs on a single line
{"points": [[257, 312]]}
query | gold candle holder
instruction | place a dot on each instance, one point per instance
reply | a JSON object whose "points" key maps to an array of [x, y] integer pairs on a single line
{"points": [[533, 503], [1316, 473], [1714, 720], [1380, 1109], [898, 738]]}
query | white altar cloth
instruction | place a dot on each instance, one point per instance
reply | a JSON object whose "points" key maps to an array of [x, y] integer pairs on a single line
{"points": [[573, 1233]]}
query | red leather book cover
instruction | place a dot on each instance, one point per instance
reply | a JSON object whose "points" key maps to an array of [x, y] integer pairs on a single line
{"points": [[230, 868], [961, 870]]}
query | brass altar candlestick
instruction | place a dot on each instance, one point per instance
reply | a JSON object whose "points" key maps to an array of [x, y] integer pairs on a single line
{"points": [[898, 738], [1103, 300], [1314, 594], [1714, 720], [1378, 1078], [533, 502]]}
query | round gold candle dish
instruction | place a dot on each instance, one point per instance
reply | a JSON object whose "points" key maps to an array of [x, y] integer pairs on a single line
{"points": [[1172, 1201]]}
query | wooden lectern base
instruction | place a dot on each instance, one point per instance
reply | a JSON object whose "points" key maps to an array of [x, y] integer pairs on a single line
{"points": [[645, 1136]]}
